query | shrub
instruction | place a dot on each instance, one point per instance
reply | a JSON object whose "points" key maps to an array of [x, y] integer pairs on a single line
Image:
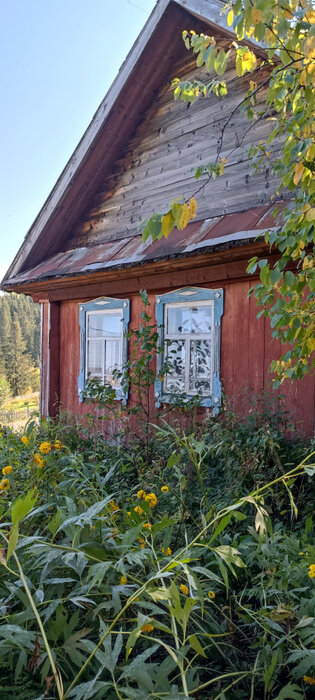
{"points": [[125, 582]]}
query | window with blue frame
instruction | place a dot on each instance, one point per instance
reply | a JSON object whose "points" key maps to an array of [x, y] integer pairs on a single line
{"points": [[189, 323], [103, 342]]}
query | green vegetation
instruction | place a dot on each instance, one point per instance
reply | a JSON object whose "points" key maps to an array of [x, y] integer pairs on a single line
{"points": [[190, 575], [19, 345]]}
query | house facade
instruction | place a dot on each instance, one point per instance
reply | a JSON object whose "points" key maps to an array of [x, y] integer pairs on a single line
{"points": [[85, 262]]}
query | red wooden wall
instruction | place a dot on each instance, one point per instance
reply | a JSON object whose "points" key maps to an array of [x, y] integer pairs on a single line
{"points": [[247, 349]]}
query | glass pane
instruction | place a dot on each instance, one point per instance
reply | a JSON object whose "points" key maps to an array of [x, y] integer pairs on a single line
{"points": [[95, 357], [200, 386], [189, 319], [200, 359], [112, 360], [174, 385], [104, 325], [175, 357]]}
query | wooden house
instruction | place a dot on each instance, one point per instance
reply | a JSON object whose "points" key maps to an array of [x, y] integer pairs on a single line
{"points": [[84, 260]]}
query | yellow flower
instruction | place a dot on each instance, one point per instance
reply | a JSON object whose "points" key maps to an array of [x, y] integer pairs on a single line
{"points": [[168, 551], [151, 499], [45, 447], [7, 470], [38, 460], [211, 594], [309, 679], [301, 554], [25, 439], [310, 573], [128, 513], [147, 526], [138, 510], [165, 489], [113, 506], [123, 580], [4, 485], [141, 494], [10, 449], [142, 542], [312, 567], [183, 589], [58, 445], [147, 628]]}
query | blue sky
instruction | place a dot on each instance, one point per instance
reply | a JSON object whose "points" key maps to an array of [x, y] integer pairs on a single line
{"points": [[57, 61]]}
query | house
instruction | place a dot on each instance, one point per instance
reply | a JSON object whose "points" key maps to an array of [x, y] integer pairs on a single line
{"points": [[84, 259]]}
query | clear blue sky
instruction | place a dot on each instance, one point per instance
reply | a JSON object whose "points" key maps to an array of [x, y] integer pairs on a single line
{"points": [[57, 61]]}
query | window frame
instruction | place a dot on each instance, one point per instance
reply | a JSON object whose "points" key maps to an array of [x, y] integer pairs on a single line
{"points": [[103, 305], [181, 298]]}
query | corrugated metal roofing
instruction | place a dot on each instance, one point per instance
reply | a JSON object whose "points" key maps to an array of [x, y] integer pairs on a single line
{"points": [[197, 236]]}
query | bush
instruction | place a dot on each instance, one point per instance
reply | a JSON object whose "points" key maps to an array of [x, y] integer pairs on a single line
{"points": [[123, 578]]}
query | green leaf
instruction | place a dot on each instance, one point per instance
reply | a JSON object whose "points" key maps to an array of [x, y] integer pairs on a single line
{"points": [[194, 642], [291, 691]]}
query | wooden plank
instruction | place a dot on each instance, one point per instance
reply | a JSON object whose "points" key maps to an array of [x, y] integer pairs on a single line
{"points": [[54, 359]]}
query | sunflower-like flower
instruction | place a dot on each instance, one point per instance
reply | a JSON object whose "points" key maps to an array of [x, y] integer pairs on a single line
{"points": [[151, 499], [211, 595], [7, 470], [147, 526], [25, 439], [4, 484], [138, 510], [45, 448], [183, 589], [147, 628], [168, 551], [123, 580], [164, 489], [311, 571], [141, 494]]}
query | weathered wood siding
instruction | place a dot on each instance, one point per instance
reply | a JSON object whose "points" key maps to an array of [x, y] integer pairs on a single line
{"points": [[247, 349], [172, 137]]}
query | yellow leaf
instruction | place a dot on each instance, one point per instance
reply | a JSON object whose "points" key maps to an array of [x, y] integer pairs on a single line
{"points": [[298, 172], [230, 18], [167, 224], [192, 208], [310, 16], [221, 171], [256, 16], [252, 85], [310, 214], [184, 218]]}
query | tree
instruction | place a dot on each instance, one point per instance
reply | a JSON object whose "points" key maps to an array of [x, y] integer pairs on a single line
{"points": [[286, 291], [17, 361], [4, 390]]}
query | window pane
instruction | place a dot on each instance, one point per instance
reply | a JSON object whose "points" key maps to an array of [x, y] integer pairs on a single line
{"points": [[175, 353], [95, 358], [189, 319], [200, 366], [200, 386], [112, 360], [174, 385], [104, 325]]}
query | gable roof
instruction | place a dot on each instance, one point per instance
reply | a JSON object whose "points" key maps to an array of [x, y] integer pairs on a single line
{"points": [[148, 62]]}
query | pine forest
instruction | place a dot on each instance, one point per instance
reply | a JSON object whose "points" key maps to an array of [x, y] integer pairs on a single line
{"points": [[19, 345]]}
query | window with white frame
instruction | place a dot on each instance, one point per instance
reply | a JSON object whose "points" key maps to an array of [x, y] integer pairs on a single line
{"points": [[189, 323], [103, 331]]}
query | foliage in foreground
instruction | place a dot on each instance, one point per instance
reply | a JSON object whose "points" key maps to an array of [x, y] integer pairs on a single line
{"points": [[186, 577]]}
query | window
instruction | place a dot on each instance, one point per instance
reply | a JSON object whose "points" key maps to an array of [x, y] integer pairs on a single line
{"points": [[103, 341], [189, 322]]}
